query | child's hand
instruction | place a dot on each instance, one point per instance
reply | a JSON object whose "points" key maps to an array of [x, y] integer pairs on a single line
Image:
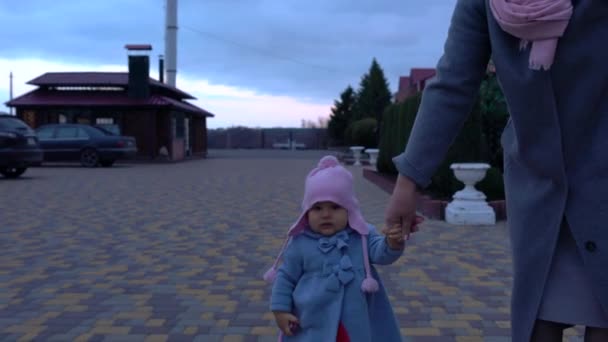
{"points": [[394, 237], [286, 322], [405, 233]]}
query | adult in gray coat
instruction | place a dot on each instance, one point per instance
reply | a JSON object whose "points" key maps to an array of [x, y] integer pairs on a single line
{"points": [[551, 61]]}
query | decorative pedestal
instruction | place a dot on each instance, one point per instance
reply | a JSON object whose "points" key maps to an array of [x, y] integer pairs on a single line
{"points": [[357, 153], [373, 156], [469, 206]]}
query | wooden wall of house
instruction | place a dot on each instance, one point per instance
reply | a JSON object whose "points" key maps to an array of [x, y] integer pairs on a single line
{"points": [[151, 128], [36, 117], [141, 124], [197, 135], [200, 128], [163, 131]]}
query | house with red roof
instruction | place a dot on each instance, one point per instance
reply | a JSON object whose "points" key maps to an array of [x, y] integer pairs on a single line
{"points": [[419, 78], [155, 113], [414, 83]]}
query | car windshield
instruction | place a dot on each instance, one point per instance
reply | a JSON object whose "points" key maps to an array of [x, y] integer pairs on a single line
{"points": [[13, 124]]}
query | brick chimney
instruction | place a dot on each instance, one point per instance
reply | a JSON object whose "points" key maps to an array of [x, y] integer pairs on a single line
{"points": [[139, 70]]}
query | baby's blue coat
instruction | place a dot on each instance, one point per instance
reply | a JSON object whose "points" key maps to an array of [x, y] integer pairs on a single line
{"points": [[308, 286]]}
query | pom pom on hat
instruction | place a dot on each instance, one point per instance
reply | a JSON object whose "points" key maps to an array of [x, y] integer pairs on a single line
{"points": [[328, 161]]}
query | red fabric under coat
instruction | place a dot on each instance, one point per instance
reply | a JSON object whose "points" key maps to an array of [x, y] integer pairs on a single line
{"points": [[342, 334]]}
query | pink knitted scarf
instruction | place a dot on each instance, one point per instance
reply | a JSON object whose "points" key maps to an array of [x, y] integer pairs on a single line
{"points": [[540, 21]]}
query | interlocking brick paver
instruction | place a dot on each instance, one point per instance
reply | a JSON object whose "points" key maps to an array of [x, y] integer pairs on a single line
{"points": [[175, 252]]}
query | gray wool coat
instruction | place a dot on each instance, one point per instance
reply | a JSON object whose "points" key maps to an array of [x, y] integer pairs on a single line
{"points": [[555, 144]]}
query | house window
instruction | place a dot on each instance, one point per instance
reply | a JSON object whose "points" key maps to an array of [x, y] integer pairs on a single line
{"points": [[83, 120], [108, 124], [181, 128], [104, 121], [178, 126], [29, 116]]}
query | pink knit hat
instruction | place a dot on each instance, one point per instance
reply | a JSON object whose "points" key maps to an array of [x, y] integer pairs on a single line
{"points": [[329, 181]]}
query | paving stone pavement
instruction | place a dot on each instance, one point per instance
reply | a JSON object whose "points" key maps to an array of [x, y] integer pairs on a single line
{"points": [[175, 252]]}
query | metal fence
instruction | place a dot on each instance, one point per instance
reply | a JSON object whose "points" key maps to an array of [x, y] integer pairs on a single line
{"points": [[268, 138]]}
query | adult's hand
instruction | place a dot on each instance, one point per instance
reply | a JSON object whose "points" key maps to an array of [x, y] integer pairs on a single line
{"points": [[402, 205]]}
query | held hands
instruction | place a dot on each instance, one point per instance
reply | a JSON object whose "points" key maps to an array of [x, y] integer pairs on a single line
{"points": [[401, 209], [287, 322], [394, 237]]}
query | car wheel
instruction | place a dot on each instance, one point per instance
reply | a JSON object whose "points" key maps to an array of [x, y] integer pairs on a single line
{"points": [[107, 163], [89, 158], [12, 172]]}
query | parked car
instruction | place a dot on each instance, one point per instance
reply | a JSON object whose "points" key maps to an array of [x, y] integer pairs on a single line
{"points": [[112, 128], [19, 148], [90, 145]]}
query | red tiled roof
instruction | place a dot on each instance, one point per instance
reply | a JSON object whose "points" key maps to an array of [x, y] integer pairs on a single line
{"points": [[43, 98], [409, 85], [97, 79], [140, 47], [187, 106], [421, 74]]}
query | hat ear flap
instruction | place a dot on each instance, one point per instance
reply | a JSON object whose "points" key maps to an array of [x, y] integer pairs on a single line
{"points": [[297, 228], [271, 274], [357, 222], [369, 284], [300, 225]]}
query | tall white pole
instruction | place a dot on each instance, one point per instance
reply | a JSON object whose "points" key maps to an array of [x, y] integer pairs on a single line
{"points": [[12, 110], [171, 42]]}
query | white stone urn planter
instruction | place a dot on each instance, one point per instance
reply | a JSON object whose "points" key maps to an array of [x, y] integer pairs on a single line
{"points": [[469, 206], [373, 156], [357, 153]]}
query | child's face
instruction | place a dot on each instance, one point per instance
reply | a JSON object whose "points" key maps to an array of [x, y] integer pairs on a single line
{"points": [[327, 218]]}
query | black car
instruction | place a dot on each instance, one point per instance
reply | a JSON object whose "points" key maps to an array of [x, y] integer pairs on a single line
{"points": [[19, 147], [90, 145]]}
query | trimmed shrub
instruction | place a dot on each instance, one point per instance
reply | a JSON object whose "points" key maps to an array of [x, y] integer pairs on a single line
{"points": [[397, 124], [364, 133], [492, 185], [478, 141], [387, 141], [468, 147]]}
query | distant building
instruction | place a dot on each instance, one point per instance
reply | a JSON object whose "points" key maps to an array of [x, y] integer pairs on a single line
{"points": [[134, 104], [414, 83], [419, 78]]}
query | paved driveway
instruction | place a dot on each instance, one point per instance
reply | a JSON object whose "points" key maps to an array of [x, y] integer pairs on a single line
{"points": [[176, 252]]}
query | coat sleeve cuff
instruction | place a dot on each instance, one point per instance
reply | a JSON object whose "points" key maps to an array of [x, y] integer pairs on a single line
{"points": [[280, 307], [394, 252], [405, 168]]}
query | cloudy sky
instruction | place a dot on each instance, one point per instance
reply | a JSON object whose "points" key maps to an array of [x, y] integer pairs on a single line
{"points": [[264, 63]]}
